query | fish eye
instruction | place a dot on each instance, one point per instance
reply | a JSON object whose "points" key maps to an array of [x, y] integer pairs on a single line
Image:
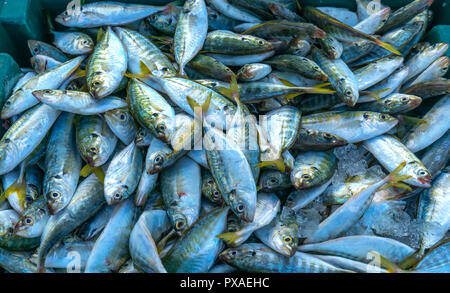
{"points": [[158, 159], [162, 127], [233, 253], [122, 117], [55, 194], [165, 69], [405, 99], [240, 208], [155, 115], [48, 91], [327, 135], [36, 50], [210, 181], [287, 239], [8, 103], [423, 173], [366, 115], [261, 42], [117, 196], [142, 133], [348, 93], [93, 149], [179, 225], [28, 221], [273, 180], [306, 176], [66, 13], [253, 253], [316, 67], [216, 194], [383, 117], [96, 83], [386, 101]]}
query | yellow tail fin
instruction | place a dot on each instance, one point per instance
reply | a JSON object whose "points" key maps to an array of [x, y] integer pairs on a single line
{"points": [[20, 188], [386, 46], [385, 263], [279, 163], [229, 237], [394, 178], [145, 72], [100, 34], [205, 106]]}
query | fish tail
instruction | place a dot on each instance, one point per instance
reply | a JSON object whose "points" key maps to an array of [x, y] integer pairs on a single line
{"points": [[279, 163], [394, 178], [411, 120], [86, 170], [412, 259], [98, 171], [384, 262], [194, 105], [229, 237], [20, 188], [386, 46], [375, 94], [145, 72]]}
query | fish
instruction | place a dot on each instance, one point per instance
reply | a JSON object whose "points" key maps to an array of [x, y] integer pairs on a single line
{"points": [[107, 65], [23, 99], [105, 13], [190, 33], [196, 250], [111, 250]]}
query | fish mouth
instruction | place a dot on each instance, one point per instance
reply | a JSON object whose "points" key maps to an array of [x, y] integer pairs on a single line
{"points": [[51, 209], [425, 180]]}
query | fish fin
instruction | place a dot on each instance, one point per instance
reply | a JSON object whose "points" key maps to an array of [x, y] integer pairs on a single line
{"points": [[51, 27], [279, 163], [286, 82], [100, 34], [229, 237], [291, 96], [375, 94], [98, 171], [299, 7], [255, 27], [385, 263], [19, 187], [411, 120], [386, 46], [80, 73], [322, 85], [310, 90], [145, 72], [411, 260], [205, 106], [86, 170], [162, 243], [394, 178]]}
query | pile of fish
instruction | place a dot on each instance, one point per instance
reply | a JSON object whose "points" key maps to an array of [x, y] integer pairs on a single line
{"points": [[228, 136]]}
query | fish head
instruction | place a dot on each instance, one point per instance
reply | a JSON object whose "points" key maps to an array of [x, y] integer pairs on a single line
{"points": [[143, 137], [284, 236], [244, 254], [347, 91], [95, 150], [401, 103], [165, 18], [305, 177], [243, 203], [443, 64], [115, 193], [100, 84], [210, 190], [421, 174], [35, 47], [120, 117], [32, 225], [71, 16], [39, 63], [155, 162], [380, 121], [48, 96], [32, 194], [256, 42], [271, 180], [57, 194], [9, 153], [233, 224], [83, 43], [163, 128], [12, 105], [179, 221]]}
